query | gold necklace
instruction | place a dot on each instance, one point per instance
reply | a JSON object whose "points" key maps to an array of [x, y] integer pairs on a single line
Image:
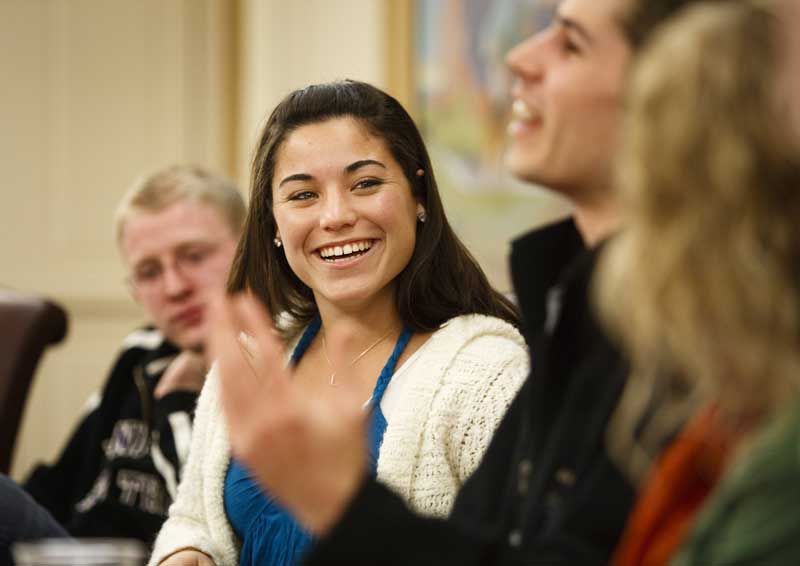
{"points": [[332, 381]]}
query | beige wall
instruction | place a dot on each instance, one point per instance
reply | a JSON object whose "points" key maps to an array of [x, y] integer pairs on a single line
{"points": [[288, 45], [96, 92]]}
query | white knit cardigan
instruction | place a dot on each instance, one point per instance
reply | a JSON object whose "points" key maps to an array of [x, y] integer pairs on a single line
{"points": [[453, 397]]}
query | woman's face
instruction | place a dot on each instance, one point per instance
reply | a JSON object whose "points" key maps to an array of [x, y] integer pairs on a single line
{"points": [[344, 211]]}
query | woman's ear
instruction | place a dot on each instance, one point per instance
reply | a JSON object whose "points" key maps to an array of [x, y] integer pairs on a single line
{"points": [[421, 215]]}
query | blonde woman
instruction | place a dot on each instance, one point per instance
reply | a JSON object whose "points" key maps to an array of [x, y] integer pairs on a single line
{"points": [[710, 267]]}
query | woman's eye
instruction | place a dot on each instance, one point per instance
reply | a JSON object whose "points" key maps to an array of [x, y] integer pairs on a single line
{"points": [[302, 195], [366, 183]]}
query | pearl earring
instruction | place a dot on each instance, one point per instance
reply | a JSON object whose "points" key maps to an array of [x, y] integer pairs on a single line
{"points": [[277, 241], [421, 216]]}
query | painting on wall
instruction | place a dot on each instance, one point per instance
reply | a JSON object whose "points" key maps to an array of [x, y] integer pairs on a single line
{"points": [[461, 100]]}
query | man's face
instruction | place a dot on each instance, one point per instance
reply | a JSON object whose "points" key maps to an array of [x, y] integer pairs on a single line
{"points": [[178, 258], [566, 109]]}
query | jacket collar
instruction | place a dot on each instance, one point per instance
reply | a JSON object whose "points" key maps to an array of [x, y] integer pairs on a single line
{"points": [[538, 261]]}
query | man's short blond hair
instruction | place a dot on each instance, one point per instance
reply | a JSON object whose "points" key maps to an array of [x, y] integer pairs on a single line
{"points": [[176, 183]]}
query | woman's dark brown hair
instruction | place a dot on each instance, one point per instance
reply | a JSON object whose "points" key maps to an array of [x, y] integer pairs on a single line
{"points": [[442, 279]]}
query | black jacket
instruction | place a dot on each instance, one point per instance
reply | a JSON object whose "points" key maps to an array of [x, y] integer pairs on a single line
{"points": [[545, 492], [117, 474]]}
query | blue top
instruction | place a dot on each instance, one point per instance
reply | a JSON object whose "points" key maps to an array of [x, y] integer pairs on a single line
{"points": [[269, 534]]}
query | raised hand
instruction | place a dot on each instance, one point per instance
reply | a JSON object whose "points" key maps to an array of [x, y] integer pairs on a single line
{"points": [[310, 454]]}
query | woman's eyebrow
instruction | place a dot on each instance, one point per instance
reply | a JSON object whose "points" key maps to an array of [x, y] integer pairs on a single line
{"points": [[295, 177], [349, 169], [362, 163]]}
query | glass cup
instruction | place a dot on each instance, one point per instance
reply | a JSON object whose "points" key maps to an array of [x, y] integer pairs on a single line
{"points": [[79, 552]]}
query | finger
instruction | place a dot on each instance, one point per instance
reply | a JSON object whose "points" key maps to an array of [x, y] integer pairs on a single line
{"points": [[249, 352], [237, 385], [159, 391], [269, 355], [233, 343], [257, 319], [266, 312], [222, 337]]}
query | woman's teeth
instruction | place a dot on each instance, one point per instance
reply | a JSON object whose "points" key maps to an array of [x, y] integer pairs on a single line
{"points": [[338, 253]]}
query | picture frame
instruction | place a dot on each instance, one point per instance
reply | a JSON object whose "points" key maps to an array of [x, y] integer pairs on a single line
{"points": [[446, 64]]}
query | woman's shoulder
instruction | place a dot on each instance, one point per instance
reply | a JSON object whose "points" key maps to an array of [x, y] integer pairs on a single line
{"points": [[471, 328], [478, 339]]}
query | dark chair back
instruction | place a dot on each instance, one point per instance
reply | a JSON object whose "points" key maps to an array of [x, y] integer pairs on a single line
{"points": [[28, 325]]}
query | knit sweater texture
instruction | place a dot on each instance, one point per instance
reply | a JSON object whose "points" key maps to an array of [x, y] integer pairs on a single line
{"points": [[455, 392]]}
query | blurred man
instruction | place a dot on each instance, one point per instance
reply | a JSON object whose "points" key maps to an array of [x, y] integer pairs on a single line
{"points": [[177, 232], [546, 491]]}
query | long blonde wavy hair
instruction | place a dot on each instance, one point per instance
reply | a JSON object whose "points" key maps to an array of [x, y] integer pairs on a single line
{"points": [[703, 282]]}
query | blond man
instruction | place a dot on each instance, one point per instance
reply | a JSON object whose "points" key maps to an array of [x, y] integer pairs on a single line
{"points": [[177, 232]]}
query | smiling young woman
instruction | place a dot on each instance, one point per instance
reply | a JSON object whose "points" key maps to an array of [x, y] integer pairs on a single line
{"points": [[441, 279], [348, 248], [351, 194]]}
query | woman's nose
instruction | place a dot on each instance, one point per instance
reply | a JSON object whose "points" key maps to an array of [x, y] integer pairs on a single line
{"points": [[337, 211]]}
